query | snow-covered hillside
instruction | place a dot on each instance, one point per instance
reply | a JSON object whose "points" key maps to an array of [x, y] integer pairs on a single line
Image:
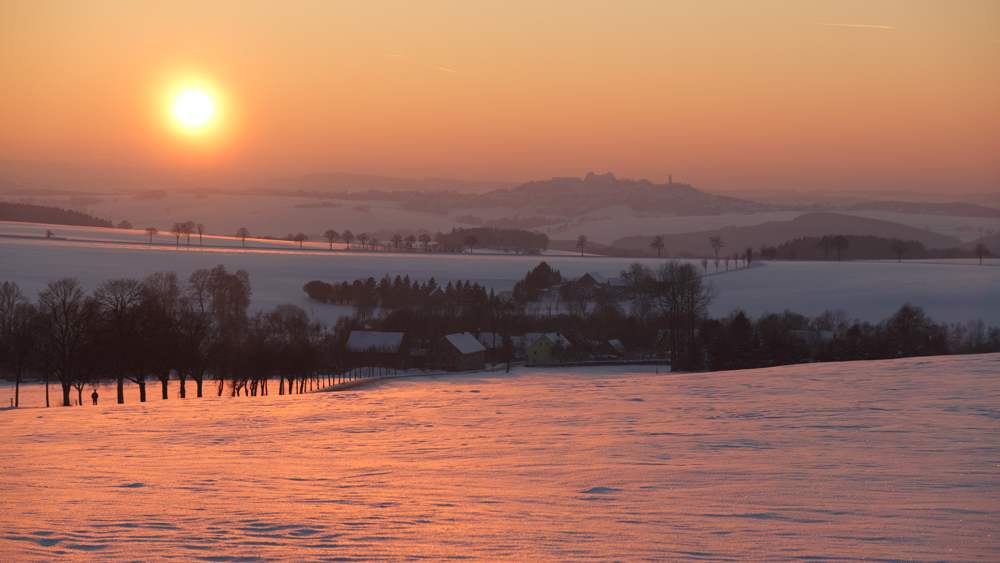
{"points": [[223, 214], [886, 461], [949, 290]]}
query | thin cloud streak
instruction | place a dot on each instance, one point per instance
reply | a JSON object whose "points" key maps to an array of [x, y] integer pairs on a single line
{"points": [[857, 25], [448, 70]]}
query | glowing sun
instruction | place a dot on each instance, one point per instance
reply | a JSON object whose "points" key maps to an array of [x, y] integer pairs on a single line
{"points": [[193, 108]]}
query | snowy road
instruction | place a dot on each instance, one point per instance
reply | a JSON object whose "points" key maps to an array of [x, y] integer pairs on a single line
{"points": [[891, 461]]}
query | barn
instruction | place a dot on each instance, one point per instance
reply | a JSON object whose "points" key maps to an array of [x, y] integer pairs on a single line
{"points": [[457, 352], [377, 349]]}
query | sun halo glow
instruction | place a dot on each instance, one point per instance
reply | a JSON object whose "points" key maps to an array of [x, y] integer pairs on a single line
{"points": [[193, 108]]}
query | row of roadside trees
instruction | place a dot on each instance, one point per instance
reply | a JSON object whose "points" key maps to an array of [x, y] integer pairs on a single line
{"points": [[155, 330]]}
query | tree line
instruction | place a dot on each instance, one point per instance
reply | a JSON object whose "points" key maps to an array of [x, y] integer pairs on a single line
{"points": [[674, 297], [156, 330], [517, 240], [28, 213], [162, 328], [739, 342], [867, 247], [653, 311]]}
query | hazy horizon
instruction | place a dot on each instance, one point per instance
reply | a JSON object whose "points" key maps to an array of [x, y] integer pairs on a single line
{"points": [[722, 96]]}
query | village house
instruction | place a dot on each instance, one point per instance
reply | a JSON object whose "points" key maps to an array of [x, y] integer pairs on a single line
{"points": [[377, 349], [437, 296], [610, 349], [589, 282], [540, 346], [457, 352]]}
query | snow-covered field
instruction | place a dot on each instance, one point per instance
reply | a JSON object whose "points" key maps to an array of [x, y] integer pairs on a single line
{"points": [[887, 461], [262, 215], [949, 290], [223, 214]]}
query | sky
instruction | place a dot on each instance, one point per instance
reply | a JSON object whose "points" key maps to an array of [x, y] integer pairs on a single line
{"points": [[724, 95]]}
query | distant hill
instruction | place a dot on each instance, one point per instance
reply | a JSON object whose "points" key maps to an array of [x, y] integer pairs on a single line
{"points": [[777, 232], [574, 197], [26, 213]]}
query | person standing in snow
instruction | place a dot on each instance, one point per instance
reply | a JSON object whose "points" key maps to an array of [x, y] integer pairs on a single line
{"points": [[94, 396]]}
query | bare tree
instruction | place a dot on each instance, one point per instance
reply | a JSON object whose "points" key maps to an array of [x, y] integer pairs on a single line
{"points": [[198, 343], [230, 298], [189, 229], [162, 299], [409, 242], [124, 224], [981, 252], [825, 243], [120, 320], [331, 236], [67, 322], [470, 241], [177, 230], [348, 236], [397, 239], [899, 248], [638, 277], [243, 234], [17, 334], [224, 298], [201, 230], [363, 239], [716, 264], [717, 245], [657, 244], [151, 232], [726, 260], [748, 256], [425, 240], [683, 299], [704, 265], [581, 243], [300, 238], [841, 243]]}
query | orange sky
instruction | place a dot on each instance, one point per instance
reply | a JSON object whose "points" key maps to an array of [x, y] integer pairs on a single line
{"points": [[721, 94]]}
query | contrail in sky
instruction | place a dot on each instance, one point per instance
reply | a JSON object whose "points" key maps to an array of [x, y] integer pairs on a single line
{"points": [[857, 25], [448, 70]]}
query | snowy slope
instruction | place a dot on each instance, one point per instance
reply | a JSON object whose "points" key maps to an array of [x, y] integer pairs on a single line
{"points": [[223, 214], [886, 461], [949, 290]]}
